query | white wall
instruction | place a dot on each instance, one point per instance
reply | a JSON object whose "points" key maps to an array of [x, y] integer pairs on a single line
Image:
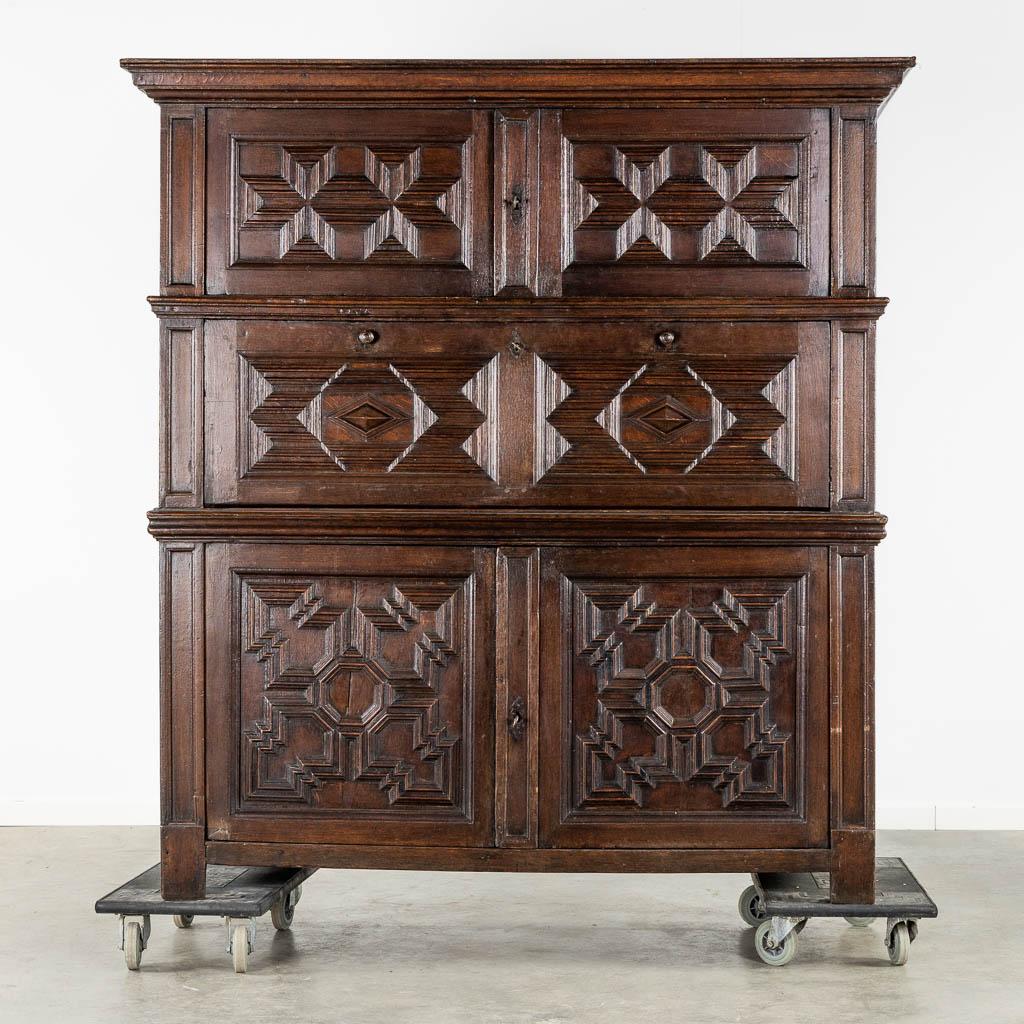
{"points": [[78, 248]]}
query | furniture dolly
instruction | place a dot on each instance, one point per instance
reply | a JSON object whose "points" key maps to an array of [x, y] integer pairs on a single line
{"points": [[779, 905], [238, 895]]}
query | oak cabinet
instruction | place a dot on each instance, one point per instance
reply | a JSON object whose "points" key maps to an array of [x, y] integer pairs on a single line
{"points": [[516, 495]]}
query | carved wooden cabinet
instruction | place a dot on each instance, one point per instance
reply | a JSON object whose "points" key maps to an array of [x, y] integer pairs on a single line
{"points": [[516, 503]]}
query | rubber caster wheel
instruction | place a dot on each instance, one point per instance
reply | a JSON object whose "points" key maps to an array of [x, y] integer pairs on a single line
{"points": [[183, 920], [133, 945], [772, 953], [751, 909], [296, 895], [282, 913], [859, 922], [240, 948], [898, 944]]}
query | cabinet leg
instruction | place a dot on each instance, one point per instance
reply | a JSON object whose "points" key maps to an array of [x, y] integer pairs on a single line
{"points": [[182, 862], [853, 866]]}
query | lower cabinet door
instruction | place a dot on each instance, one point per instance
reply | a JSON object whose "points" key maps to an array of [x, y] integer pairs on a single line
{"points": [[349, 694], [683, 696]]}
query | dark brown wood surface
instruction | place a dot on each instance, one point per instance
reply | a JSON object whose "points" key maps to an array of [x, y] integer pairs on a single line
{"points": [[517, 464], [535, 415], [683, 698]]}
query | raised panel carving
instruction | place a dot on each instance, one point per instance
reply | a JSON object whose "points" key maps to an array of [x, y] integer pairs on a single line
{"points": [[353, 692], [703, 202], [350, 202], [685, 695], [301, 416], [666, 418]]}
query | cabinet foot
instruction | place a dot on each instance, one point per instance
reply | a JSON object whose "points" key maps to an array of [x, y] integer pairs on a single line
{"points": [[182, 862], [853, 866]]}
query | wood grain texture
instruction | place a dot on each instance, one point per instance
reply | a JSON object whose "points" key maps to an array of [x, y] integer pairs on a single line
{"points": [[308, 202], [517, 464], [682, 704], [182, 191], [567, 310], [853, 415], [852, 866], [352, 689], [181, 413], [724, 417], [424, 858], [853, 200], [739, 200], [853, 696], [182, 725], [517, 704], [768, 82], [505, 526]]}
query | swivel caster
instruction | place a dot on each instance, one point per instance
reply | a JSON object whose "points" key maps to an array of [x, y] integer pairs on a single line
{"points": [[134, 939], [776, 939], [898, 937], [241, 939], [859, 922], [282, 913], [183, 920], [751, 907]]}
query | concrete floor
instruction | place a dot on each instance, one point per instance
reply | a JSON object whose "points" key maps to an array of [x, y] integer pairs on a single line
{"points": [[379, 947]]}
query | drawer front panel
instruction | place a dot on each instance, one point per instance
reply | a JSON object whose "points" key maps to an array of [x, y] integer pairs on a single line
{"points": [[684, 698], [348, 201], [690, 202], [350, 694], [533, 415]]}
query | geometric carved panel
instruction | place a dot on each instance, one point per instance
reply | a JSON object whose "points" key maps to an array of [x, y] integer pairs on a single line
{"points": [[346, 202], [702, 204], [684, 695], [666, 418], [304, 417], [353, 692]]}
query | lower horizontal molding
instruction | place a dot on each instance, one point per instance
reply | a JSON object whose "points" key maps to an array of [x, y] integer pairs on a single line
{"points": [[510, 525], [433, 858]]}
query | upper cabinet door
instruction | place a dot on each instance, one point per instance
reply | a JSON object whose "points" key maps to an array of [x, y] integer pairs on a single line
{"points": [[358, 202], [695, 202]]}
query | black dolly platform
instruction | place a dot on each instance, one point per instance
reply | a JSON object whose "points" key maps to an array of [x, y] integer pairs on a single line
{"points": [[778, 905], [239, 895]]}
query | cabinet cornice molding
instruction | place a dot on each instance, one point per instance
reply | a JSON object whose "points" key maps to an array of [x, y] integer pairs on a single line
{"points": [[746, 82]]}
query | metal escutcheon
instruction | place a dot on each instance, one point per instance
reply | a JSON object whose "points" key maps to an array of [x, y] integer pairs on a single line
{"points": [[517, 718]]}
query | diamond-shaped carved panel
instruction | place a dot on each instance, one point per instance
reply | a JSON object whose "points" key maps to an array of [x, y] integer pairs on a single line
{"points": [[302, 417], [684, 695], [349, 202], [697, 203], [665, 418], [353, 692]]}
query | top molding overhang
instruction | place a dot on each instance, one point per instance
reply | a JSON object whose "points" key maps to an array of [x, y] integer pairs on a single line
{"points": [[565, 83]]}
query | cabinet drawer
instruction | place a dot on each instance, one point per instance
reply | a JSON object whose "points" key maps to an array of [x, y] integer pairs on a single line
{"points": [[695, 202], [349, 694], [534, 414], [367, 202], [684, 698]]}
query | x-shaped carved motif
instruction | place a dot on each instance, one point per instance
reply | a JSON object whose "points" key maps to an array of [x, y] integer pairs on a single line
{"points": [[726, 174], [312, 191]]}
